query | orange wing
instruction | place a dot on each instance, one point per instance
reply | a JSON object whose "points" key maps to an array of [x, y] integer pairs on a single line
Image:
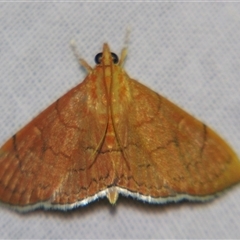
{"points": [[49, 162], [169, 155], [111, 135]]}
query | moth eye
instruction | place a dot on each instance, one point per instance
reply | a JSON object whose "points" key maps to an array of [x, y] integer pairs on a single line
{"points": [[114, 58], [98, 58]]}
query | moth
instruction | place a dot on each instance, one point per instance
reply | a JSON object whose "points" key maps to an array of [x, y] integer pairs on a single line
{"points": [[111, 135]]}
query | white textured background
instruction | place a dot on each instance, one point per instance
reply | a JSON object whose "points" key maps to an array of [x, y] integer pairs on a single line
{"points": [[189, 52]]}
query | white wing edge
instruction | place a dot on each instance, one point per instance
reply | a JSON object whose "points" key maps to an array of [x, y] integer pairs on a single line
{"points": [[47, 205]]}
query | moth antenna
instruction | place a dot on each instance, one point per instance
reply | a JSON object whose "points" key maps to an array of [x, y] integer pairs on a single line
{"points": [[127, 37], [125, 46], [81, 61]]}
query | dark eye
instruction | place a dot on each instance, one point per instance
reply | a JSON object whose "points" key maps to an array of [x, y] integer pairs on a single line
{"points": [[114, 58], [98, 58]]}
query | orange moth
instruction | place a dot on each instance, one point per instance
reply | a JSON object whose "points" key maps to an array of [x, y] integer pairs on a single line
{"points": [[111, 135]]}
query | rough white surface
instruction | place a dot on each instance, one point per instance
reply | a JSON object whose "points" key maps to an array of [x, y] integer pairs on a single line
{"points": [[189, 52]]}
